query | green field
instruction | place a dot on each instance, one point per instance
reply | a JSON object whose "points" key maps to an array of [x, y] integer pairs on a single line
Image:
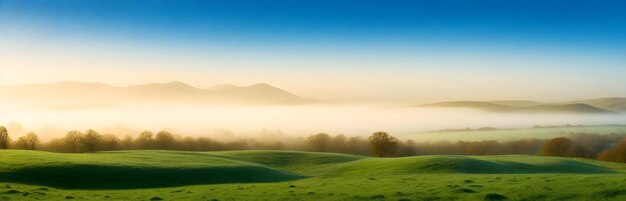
{"points": [[285, 175]]}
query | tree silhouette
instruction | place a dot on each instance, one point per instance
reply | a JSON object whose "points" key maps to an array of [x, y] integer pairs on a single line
{"points": [[339, 143], [145, 139], [90, 139], [127, 142], [73, 139], [382, 144], [408, 148], [4, 138], [109, 142], [30, 140], [164, 139], [319, 142]]}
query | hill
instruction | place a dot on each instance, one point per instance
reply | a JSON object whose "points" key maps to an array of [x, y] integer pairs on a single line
{"points": [[80, 93], [612, 103], [518, 106], [289, 175], [507, 134]]}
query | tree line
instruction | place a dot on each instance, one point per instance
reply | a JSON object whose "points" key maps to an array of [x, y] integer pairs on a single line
{"points": [[610, 147]]}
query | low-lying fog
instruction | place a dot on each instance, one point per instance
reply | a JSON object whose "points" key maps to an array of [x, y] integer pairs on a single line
{"points": [[227, 122]]}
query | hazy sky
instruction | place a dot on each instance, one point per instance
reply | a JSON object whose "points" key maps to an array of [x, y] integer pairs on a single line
{"points": [[413, 51]]}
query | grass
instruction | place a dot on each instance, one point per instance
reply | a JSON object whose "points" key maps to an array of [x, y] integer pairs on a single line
{"points": [[286, 175]]}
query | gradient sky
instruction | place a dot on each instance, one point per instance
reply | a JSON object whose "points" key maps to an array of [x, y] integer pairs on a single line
{"points": [[397, 51]]}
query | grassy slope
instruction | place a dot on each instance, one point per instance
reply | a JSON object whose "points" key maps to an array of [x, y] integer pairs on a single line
{"points": [[273, 175]]}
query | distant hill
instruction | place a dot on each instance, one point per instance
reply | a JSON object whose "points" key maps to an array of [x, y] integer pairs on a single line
{"points": [[522, 106], [612, 103], [81, 93], [517, 103]]}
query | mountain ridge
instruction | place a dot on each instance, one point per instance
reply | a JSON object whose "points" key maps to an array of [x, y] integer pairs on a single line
{"points": [[73, 91], [598, 106]]}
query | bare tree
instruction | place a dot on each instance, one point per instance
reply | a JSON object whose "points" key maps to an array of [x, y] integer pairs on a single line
{"points": [[189, 143], [73, 139], [382, 144], [127, 142], [110, 142], [4, 138], [339, 143], [357, 145], [319, 142], [409, 148], [91, 140], [30, 140], [164, 139], [145, 139]]}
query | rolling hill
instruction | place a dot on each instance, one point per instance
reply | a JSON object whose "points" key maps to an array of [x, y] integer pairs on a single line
{"points": [[612, 103], [525, 107], [80, 93], [290, 175], [596, 106]]}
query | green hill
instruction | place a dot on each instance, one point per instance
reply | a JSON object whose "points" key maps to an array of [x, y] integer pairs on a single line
{"points": [[289, 175], [132, 169]]}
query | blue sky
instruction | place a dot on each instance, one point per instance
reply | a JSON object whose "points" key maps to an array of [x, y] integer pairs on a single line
{"points": [[282, 42], [588, 23]]}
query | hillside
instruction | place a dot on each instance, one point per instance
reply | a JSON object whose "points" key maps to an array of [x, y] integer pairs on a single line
{"points": [[613, 103], [290, 175], [80, 94], [525, 107], [504, 134]]}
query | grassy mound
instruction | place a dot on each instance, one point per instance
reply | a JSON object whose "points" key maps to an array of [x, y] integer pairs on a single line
{"points": [[470, 165], [132, 169], [152, 169]]}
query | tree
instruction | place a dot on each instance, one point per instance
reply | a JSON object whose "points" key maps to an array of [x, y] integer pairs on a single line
{"points": [[339, 143], [73, 139], [127, 142], [164, 139], [91, 140], [620, 151], [382, 144], [319, 142], [560, 146], [145, 139], [357, 145], [110, 142], [607, 155], [409, 148], [4, 138], [30, 140], [615, 154], [189, 144]]}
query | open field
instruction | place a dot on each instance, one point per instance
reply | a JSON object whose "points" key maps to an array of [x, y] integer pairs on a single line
{"points": [[515, 134], [284, 175]]}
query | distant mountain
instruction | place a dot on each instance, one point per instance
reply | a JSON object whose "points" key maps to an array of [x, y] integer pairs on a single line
{"points": [[81, 93], [522, 106], [612, 103], [516, 103]]}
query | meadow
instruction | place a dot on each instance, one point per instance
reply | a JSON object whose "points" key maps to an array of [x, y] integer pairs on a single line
{"points": [[291, 175]]}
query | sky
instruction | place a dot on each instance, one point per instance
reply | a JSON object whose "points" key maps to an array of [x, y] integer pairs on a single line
{"points": [[344, 51]]}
